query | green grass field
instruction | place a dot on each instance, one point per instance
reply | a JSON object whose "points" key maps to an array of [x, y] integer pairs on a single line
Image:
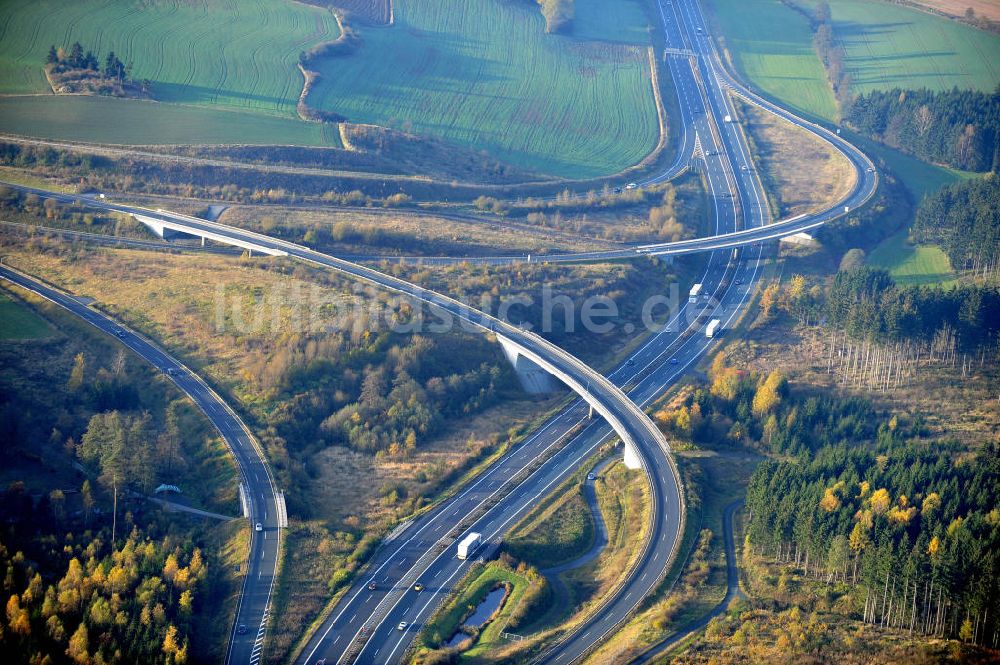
{"points": [[890, 46], [17, 322], [238, 54], [111, 120], [790, 71], [912, 265], [771, 45], [483, 73], [557, 531], [207, 55]]}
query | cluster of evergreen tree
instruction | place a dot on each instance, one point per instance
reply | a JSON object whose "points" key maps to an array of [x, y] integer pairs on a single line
{"points": [[919, 526], [76, 58], [856, 497], [964, 219], [867, 304], [960, 128], [69, 599]]}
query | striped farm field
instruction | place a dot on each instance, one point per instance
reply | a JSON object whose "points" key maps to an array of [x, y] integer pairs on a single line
{"points": [[886, 45], [138, 122], [238, 54], [890, 46], [772, 47], [207, 55], [771, 44], [483, 73]]}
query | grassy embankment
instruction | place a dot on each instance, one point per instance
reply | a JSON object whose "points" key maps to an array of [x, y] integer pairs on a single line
{"points": [[405, 233], [697, 581], [559, 530], [18, 322], [481, 579], [789, 71], [802, 173], [912, 264], [623, 499]]}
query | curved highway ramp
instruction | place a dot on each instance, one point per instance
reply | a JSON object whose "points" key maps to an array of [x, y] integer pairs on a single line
{"points": [[262, 502]]}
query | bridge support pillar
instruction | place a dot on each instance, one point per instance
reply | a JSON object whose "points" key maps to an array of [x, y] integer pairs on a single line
{"points": [[150, 224], [631, 457], [533, 378]]}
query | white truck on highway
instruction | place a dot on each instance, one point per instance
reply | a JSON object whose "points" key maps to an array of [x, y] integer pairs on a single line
{"points": [[695, 290], [713, 327], [468, 546]]}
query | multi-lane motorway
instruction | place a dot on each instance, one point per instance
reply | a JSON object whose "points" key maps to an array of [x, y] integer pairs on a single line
{"points": [[259, 492], [364, 625], [422, 555], [629, 422]]}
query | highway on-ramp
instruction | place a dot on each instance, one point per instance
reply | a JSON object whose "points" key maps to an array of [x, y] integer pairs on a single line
{"points": [[259, 490]]}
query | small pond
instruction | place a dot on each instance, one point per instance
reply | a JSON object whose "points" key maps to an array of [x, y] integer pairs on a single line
{"points": [[491, 603], [486, 609]]}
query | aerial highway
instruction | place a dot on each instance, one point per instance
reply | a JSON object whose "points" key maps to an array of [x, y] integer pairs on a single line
{"points": [[744, 224], [628, 421], [363, 626], [632, 423], [422, 553], [263, 504]]}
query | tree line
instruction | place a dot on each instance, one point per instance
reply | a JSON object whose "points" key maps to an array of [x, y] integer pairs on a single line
{"points": [[832, 55], [745, 408], [867, 304], [964, 220], [960, 128]]}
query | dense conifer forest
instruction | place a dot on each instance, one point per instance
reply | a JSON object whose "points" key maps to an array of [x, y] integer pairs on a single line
{"points": [[960, 128]]}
